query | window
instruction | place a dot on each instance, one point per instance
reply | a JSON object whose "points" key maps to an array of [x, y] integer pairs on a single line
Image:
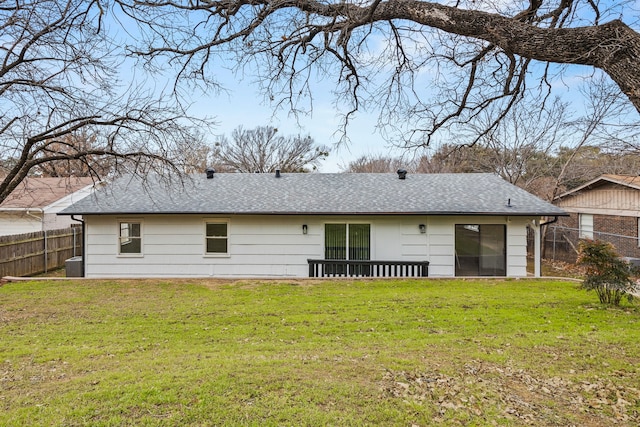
{"points": [[130, 238], [217, 238], [586, 226], [481, 250]]}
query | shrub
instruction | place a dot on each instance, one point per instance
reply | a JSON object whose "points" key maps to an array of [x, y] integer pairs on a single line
{"points": [[606, 273]]}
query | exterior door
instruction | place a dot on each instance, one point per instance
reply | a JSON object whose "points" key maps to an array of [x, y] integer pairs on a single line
{"points": [[481, 250], [492, 250], [347, 242]]}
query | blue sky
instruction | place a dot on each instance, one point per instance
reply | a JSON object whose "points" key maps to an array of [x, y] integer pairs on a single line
{"points": [[243, 106]]}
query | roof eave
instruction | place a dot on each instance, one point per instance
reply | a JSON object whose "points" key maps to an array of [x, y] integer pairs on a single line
{"points": [[593, 182], [9, 209], [290, 213]]}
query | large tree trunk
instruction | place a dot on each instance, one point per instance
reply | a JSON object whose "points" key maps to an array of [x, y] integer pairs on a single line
{"points": [[612, 47]]}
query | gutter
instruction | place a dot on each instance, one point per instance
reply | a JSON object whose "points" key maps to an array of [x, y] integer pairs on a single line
{"points": [[27, 211], [291, 213], [18, 209]]}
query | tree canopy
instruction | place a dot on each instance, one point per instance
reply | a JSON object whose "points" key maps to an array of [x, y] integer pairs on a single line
{"points": [[63, 107], [263, 150], [432, 70], [427, 67], [534, 168]]}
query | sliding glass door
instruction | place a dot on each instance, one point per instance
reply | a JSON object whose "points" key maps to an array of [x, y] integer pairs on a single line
{"points": [[335, 241], [347, 242], [481, 250]]}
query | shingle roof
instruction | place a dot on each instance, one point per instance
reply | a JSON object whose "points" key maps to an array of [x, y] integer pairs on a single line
{"points": [[314, 193], [41, 192]]}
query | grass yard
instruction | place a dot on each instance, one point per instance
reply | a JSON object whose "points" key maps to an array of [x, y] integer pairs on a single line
{"points": [[316, 353]]}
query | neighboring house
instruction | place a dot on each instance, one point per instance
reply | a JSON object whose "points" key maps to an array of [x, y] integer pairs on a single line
{"points": [[34, 204], [271, 225], [606, 208]]}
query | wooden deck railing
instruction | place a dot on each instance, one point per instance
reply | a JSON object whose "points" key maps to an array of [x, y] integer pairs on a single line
{"points": [[344, 268]]}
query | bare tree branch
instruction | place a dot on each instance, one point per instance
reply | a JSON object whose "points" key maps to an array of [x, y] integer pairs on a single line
{"points": [[263, 150], [491, 52], [59, 83]]}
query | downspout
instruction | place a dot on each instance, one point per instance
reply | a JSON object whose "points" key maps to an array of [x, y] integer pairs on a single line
{"points": [[83, 241], [537, 268]]}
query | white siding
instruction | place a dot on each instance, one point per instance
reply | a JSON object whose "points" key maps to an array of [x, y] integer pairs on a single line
{"points": [[441, 246], [413, 243], [19, 223], [174, 246], [274, 246], [517, 247], [441, 243], [54, 222]]}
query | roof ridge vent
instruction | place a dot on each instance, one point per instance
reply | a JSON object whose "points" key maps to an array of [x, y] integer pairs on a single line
{"points": [[402, 174]]}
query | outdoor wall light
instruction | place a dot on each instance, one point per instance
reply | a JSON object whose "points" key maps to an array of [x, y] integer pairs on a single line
{"points": [[423, 228], [304, 228]]}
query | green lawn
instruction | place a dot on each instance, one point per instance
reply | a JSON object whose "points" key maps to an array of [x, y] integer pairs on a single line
{"points": [[315, 353]]}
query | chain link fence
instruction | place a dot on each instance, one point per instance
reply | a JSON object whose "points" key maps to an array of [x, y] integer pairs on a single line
{"points": [[561, 243]]}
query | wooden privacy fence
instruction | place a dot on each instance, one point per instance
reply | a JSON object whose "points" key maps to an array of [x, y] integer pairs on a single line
{"points": [[39, 252]]}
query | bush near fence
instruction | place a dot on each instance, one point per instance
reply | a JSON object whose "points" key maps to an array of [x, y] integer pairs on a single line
{"points": [[39, 252]]}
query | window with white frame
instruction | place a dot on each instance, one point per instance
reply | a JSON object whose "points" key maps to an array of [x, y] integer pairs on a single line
{"points": [[130, 238], [586, 226], [217, 237]]}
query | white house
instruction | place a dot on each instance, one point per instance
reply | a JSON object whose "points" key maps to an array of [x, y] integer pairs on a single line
{"points": [[294, 225], [34, 204]]}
